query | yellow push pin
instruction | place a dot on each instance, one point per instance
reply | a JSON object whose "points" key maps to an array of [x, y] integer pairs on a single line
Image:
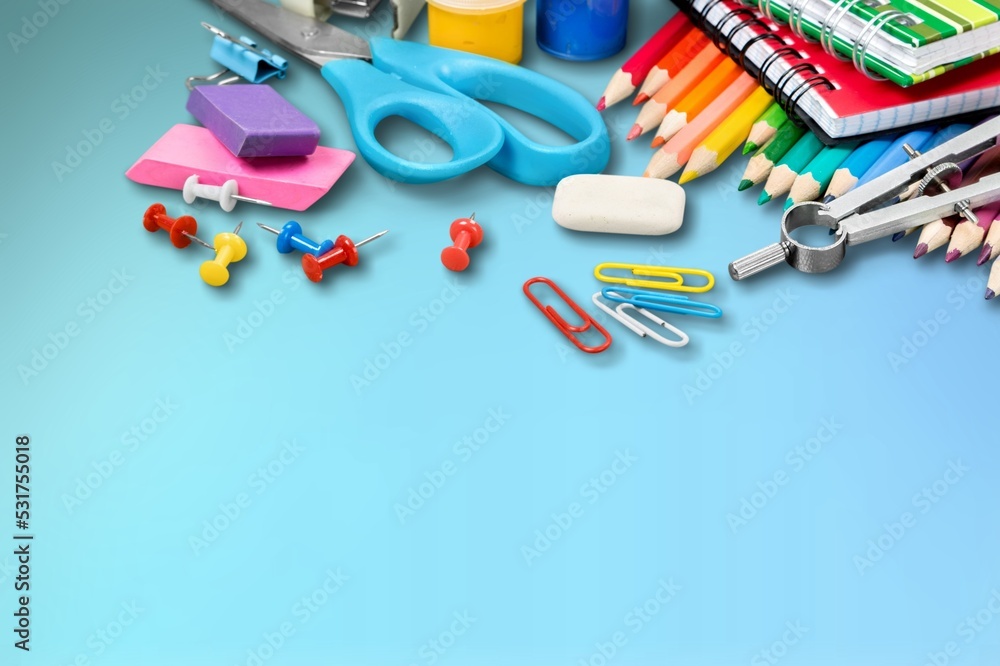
{"points": [[229, 248]]}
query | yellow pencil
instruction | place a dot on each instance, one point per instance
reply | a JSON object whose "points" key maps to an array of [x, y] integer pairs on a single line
{"points": [[727, 137]]}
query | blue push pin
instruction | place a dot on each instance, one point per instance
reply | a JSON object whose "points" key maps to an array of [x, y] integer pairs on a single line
{"points": [[290, 238]]}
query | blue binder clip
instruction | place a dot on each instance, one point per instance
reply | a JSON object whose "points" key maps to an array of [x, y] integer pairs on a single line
{"points": [[677, 304], [243, 58]]}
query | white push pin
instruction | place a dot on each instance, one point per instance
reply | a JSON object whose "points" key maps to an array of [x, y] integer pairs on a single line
{"points": [[226, 194]]}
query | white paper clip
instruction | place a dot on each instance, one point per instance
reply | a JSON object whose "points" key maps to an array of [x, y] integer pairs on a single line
{"points": [[641, 329]]}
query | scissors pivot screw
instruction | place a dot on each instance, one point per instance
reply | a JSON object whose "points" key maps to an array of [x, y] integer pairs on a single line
{"points": [[466, 233]]}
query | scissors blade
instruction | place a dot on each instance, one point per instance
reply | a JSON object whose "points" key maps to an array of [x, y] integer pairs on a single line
{"points": [[312, 40]]}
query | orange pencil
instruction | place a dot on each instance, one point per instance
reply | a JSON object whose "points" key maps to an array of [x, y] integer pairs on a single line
{"points": [[669, 159], [635, 69], [700, 96], [656, 108], [670, 64]]}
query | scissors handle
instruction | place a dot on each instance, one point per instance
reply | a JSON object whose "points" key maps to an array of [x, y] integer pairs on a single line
{"points": [[371, 96], [474, 77]]}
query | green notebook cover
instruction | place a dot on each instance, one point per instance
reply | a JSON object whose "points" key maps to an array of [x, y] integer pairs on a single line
{"points": [[962, 16]]}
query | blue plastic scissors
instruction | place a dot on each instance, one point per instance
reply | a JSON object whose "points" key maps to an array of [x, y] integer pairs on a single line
{"points": [[437, 89]]}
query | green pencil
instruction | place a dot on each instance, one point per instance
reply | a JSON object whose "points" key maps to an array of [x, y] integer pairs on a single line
{"points": [[763, 160], [816, 176], [784, 172], [765, 127]]}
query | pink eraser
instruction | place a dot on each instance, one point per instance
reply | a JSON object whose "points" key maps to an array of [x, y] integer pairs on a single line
{"points": [[294, 183]]}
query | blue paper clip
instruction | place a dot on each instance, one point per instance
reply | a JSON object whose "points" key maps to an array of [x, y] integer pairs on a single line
{"points": [[663, 302], [243, 58]]}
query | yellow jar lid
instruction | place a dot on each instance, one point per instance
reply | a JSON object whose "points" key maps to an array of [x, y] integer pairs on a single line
{"points": [[476, 6]]}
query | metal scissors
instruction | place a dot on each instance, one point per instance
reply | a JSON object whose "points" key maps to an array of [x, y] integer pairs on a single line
{"points": [[857, 217], [437, 89]]}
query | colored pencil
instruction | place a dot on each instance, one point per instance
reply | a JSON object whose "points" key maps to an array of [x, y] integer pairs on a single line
{"points": [[765, 127], [934, 235], [991, 248], [669, 159], [653, 111], [968, 236], [895, 156], [700, 96], [816, 175], [938, 233], [993, 284], [762, 162], [947, 134], [780, 180], [627, 78], [727, 137], [846, 177], [673, 62]]}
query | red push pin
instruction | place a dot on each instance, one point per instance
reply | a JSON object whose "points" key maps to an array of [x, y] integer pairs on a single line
{"points": [[182, 230], [344, 251], [466, 233]]}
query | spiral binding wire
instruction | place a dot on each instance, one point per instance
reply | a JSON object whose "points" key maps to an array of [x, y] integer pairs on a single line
{"points": [[796, 8], [859, 53], [722, 37], [753, 40], [718, 38], [828, 26], [738, 55]]}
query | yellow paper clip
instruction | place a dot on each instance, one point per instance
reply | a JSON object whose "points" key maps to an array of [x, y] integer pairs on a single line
{"points": [[674, 283]]}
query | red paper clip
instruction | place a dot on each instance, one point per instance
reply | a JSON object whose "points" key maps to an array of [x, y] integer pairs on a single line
{"points": [[564, 327]]}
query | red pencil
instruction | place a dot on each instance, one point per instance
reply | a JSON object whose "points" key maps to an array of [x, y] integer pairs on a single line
{"points": [[634, 71]]}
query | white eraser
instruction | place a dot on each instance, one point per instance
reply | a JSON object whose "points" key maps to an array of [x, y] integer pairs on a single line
{"points": [[619, 205]]}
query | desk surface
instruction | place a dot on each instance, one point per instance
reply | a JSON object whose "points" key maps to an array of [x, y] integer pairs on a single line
{"points": [[407, 466]]}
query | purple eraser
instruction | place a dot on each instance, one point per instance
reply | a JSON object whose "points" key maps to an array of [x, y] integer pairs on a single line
{"points": [[252, 120]]}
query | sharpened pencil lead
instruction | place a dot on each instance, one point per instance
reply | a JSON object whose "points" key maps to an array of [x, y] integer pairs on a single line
{"points": [[921, 250]]}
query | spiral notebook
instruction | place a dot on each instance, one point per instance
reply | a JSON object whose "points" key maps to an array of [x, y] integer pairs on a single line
{"points": [[831, 96], [906, 41]]}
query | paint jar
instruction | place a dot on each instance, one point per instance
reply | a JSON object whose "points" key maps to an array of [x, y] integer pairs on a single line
{"points": [[493, 28], [582, 29]]}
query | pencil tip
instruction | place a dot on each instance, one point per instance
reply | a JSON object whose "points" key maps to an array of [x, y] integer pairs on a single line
{"points": [[602, 104], [990, 294], [898, 235], [657, 142], [745, 184], [952, 255], [763, 198], [749, 147], [634, 133], [828, 198], [985, 254], [789, 202], [920, 251], [686, 177], [641, 98]]}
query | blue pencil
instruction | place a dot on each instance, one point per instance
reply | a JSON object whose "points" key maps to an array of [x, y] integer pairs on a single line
{"points": [[946, 134], [855, 166], [895, 156]]}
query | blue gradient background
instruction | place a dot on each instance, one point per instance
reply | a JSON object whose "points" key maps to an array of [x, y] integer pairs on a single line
{"points": [[567, 415]]}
